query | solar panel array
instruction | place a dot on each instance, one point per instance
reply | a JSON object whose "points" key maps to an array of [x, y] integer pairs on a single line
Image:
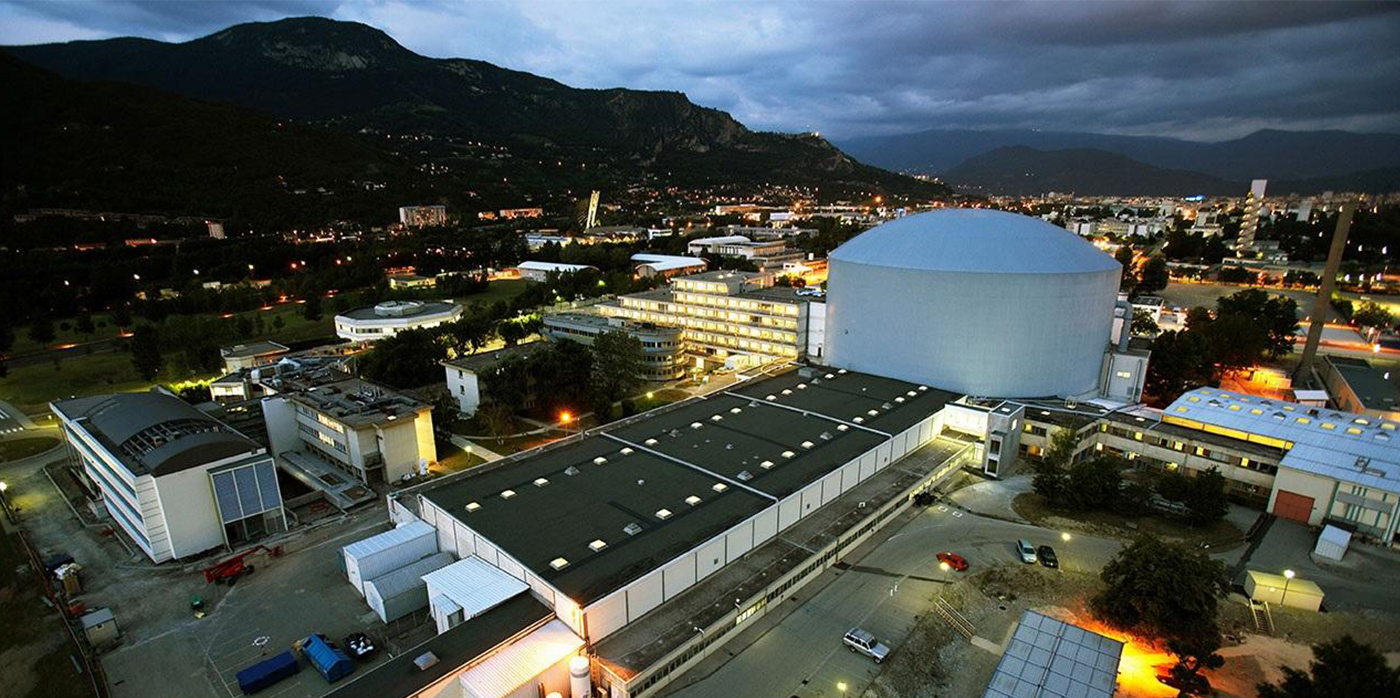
{"points": [[1052, 659]]}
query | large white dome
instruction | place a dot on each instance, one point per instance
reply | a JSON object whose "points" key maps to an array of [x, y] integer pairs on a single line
{"points": [[981, 302]]}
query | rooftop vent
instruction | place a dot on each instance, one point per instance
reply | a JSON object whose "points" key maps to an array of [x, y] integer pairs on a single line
{"points": [[632, 529], [886, 406], [745, 475], [663, 514], [558, 563], [753, 403], [472, 506], [571, 471], [425, 661], [692, 500], [597, 545], [675, 433], [826, 436]]}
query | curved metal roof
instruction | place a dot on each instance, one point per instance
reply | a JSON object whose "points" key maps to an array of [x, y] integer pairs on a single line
{"points": [[156, 433], [975, 240]]}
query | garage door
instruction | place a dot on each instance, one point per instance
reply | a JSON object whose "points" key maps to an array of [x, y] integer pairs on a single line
{"points": [[1294, 506]]}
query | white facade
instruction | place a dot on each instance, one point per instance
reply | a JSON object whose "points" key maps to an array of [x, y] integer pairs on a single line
{"points": [[540, 271], [465, 387], [978, 302], [392, 317]]}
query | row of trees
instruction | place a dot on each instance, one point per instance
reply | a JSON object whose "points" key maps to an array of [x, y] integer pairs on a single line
{"points": [[1246, 329], [567, 377]]}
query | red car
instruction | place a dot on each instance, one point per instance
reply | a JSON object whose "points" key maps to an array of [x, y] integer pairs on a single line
{"points": [[953, 560]]}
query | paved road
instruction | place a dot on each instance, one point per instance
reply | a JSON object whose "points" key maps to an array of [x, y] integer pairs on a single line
{"points": [[802, 655]]}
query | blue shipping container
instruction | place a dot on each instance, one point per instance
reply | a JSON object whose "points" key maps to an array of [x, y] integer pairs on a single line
{"points": [[267, 672], [333, 664]]}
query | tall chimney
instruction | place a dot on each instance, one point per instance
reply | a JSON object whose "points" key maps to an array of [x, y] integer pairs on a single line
{"points": [[1324, 291]]}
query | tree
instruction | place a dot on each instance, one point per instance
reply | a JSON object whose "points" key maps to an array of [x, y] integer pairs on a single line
{"points": [[1371, 315], [1173, 486], [1206, 500], [1342, 667], [1236, 342], [409, 359], [1129, 281], [497, 418], [121, 316], [1181, 361], [41, 330], [145, 351], [278, 323], [1155, 276], [1277, 316], [311, 309], [1164, 591], [618, 363], [1193, 655], [1049, 480], [1143, 324], [1093, 483], [84, 324]]}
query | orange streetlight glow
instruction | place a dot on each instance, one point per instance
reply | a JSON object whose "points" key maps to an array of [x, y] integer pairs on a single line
{"points": [[565, 417]]}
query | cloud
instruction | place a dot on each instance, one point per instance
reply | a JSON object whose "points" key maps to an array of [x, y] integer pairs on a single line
{"points": [[1195, 69]]}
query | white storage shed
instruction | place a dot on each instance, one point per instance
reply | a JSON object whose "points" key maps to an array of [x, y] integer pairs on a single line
{"points": [[1332, 544], [466, 589], [1283, 591], [402, 591], [381, 554]]}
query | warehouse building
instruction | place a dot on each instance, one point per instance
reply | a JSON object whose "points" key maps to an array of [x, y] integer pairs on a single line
{"points": [[667, 265], [981, 302], [176, 481], [1356, 386], [373, 323], [644, 533], [540, 271]]}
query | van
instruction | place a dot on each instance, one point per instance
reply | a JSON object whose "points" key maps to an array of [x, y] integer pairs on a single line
{"points": [[857, 640], [1026, 551]]}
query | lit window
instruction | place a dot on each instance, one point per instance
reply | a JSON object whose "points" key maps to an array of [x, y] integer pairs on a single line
{"points": [[1304, 420]]}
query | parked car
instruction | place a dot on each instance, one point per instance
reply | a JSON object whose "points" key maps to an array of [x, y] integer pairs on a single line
{"points": [[1026, 551], [953, 560], [858, 640], [1047, 556]]}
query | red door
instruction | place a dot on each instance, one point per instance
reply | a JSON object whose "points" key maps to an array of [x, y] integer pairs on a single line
{"points": [[1294, 506]]}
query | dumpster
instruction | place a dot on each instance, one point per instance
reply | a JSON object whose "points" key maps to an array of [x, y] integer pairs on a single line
{"points": [[333, 664], [267, 672]]}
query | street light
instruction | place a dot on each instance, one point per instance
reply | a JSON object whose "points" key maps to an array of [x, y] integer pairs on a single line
{"points": [[3, 486], [841, 686], [1287, 577], [1065, 537]]}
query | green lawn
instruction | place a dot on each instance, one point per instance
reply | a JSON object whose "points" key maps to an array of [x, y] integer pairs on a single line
{"points": [[31, 388], [16, 449], [34, 649], [1031, 507], [295, 328], [502, 290]]}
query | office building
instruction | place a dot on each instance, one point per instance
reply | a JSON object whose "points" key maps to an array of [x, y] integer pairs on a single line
{"points": [[730, 317], [1253, 208], [402, 282], [376, 322], [464, 374], [363, 430], [175, 481], [662, 347], [422, 216]]}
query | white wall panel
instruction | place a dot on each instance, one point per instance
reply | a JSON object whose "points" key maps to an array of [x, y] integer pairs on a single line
{"points": [[738, 541], [831, 487], [643, 595], [789, 511], [765, 525], [811, 497], [679, 575], [709, 558], [607, 615]]}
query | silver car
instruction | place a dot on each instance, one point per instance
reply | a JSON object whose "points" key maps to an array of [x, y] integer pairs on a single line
{"points": [[858, 640], [1026, 551]]}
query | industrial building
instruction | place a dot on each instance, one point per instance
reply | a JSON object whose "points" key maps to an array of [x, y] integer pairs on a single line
{"points": [[980, 302], [654, 540], [731, 317], [373, 323], [352, 427], [666, 265], [1356, 386], [663, 348], [176, 481], [540, 271]]}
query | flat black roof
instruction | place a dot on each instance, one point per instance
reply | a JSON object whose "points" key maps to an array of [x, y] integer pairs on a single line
{"points": [[1369, 384], [400, 677], [712, 448]]}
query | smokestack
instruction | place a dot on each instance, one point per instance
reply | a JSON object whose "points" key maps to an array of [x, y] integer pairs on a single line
{"points": [[1324, 291]]}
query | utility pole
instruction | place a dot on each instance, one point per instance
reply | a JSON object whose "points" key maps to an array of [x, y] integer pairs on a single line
{"points": [[1324, 290]]}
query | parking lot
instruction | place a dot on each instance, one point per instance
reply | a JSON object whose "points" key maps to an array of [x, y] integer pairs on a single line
{"points": [[164, 650], [1362, 580]]}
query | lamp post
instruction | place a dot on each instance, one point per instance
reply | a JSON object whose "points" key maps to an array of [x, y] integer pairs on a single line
{"points": [[1287, 577]]}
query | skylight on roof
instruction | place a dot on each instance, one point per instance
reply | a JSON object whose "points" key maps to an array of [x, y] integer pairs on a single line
{"points": [[541, 481], [858, 420], [841, 371], [911, 393], [650, 442], [841, 427], [558, 563], [735, 410], [829, 376], [716, 418], [663, 514], [692, 500], [787, 391], [900, 398], [766, 464], [923, 388], [626, 451], [694, 425], [597, 545], [472, 506], [719, 487], [807, 444], [872, 413], [507, 494], [600, 460], [772, 397], [788, 454], [801, 386]]}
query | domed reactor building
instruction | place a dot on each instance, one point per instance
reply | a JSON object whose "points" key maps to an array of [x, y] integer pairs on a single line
{"points": [[987, 303]]}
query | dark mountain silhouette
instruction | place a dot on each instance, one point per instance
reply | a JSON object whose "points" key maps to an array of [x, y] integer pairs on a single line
{"points": [[357, 77]]}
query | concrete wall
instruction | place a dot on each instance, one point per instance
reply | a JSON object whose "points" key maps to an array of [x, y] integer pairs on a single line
{"points": [[191, 517]]}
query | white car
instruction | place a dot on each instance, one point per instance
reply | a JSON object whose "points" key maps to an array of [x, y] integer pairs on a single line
{"points": [[858, 640], [1026, 551]]}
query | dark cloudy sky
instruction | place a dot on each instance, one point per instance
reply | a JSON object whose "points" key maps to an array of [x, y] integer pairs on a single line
{"points": [[1193, 69]]}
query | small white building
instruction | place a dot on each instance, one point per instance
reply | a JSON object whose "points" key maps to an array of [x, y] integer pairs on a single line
{"points": [[176, 481], [372, 323], [240, 356], [466, 589]]}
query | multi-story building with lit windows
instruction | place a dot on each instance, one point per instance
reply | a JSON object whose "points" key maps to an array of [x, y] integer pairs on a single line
{"points": [[662, 347], [730, 314]]}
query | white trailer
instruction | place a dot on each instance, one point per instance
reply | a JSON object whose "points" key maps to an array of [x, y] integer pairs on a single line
{"points": [[381, 554]]}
